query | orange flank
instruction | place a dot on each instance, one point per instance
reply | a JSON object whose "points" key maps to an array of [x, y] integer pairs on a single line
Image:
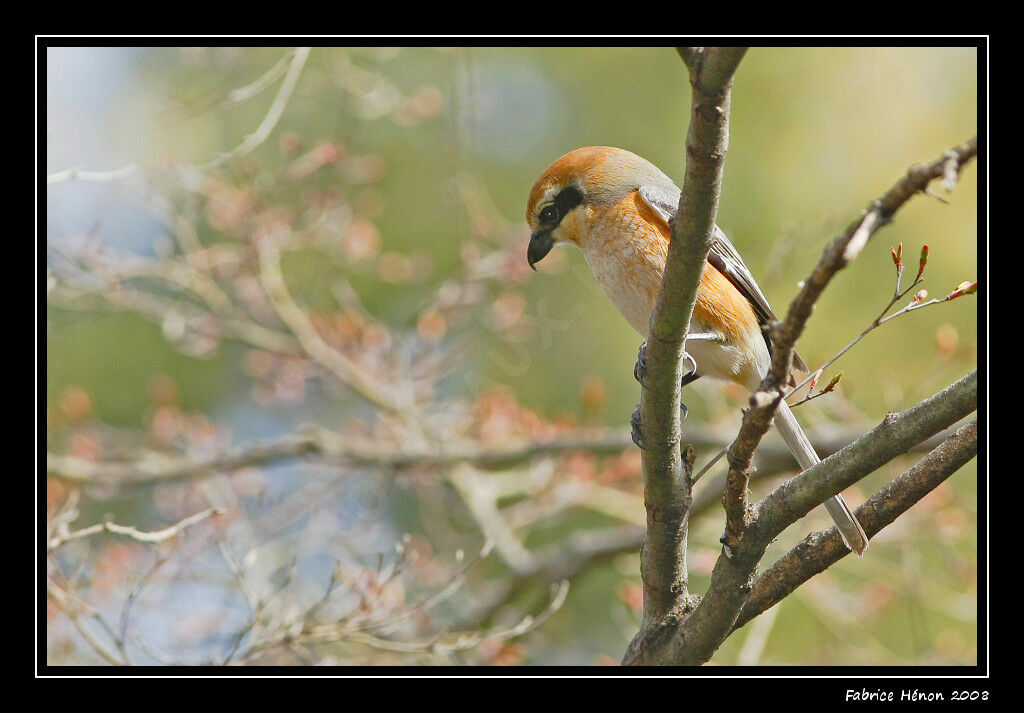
{"points": [[720, 304]]}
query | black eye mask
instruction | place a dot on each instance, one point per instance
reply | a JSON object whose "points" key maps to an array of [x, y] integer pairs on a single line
{"points": [[552, 214]]}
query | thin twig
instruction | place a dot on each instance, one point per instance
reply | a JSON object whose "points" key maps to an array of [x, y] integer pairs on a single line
{"points": [[254, 88], [877, 322], [273, 114], [127, 530], [75, 610], [347, 371], [73, 174]]}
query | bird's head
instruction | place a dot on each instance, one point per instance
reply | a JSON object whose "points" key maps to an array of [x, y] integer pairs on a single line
{"points": [[565, 197]]}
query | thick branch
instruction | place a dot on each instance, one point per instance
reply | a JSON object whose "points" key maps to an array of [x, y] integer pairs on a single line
{"points": [[773, 458], [756, 422], [894, 436], [154, 467], [666, 477], [698, 636], [820, 550]]}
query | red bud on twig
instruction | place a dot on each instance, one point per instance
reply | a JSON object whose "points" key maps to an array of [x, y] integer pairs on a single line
{"points": [[919, 297], [814, 380], [832, 384], [897, 255], [964, 288], [924, 260]]}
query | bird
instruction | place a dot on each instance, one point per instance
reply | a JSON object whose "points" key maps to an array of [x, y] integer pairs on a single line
{"points": [[619, 208]]}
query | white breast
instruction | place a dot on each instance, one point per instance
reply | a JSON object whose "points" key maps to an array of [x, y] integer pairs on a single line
{"points": [[632, 279], [632, 301]]}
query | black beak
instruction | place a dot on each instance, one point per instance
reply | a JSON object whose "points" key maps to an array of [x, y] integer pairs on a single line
{"points": [[541, 243]]}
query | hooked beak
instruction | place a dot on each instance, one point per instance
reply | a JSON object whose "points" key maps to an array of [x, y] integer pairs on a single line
{"points": [[541, 243]]}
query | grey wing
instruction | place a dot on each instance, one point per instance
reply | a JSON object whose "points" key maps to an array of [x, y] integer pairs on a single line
{"points": [[727, 260], [663, 199], [722, 255]]}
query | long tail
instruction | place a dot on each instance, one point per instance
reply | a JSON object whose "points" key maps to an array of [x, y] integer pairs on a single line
{"points": [[800, 447]]}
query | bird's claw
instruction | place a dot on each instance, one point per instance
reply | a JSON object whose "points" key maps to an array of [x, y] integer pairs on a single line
{"points": [[640, 370], [692, 375], [640, 373], [636, 432]]}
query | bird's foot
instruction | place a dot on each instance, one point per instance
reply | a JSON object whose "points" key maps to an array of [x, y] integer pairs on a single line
{"points": [[692, 375], [636, 432], [689, 378], [636, 427], [640, 370]]}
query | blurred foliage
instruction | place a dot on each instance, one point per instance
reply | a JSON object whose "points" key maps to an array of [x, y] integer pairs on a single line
{"points": [[435, 150]]}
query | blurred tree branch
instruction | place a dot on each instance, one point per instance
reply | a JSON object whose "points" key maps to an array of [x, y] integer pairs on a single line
{"points": [[64, 535], [277, 107], [298, 58], [314, 441]]}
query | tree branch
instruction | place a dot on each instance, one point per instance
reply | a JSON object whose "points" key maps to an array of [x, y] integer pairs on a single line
{"points": [[836, 256], [774, 458], [693, 640], [151, 467], [315, 441], [697, 636], [820, 550], [347, 371], [560, 562], [892, 437], [848, 245], [666, 476], [273, 114], [64, 534]]}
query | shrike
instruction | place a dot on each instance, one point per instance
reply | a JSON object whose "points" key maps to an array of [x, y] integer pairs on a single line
{"points": [[618, 208]]}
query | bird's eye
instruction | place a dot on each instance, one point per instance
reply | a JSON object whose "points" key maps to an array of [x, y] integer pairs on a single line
{"points": [[549, 214]]}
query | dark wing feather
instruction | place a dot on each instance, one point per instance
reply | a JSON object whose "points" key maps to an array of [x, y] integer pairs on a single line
{"points": [[723, 256]]}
